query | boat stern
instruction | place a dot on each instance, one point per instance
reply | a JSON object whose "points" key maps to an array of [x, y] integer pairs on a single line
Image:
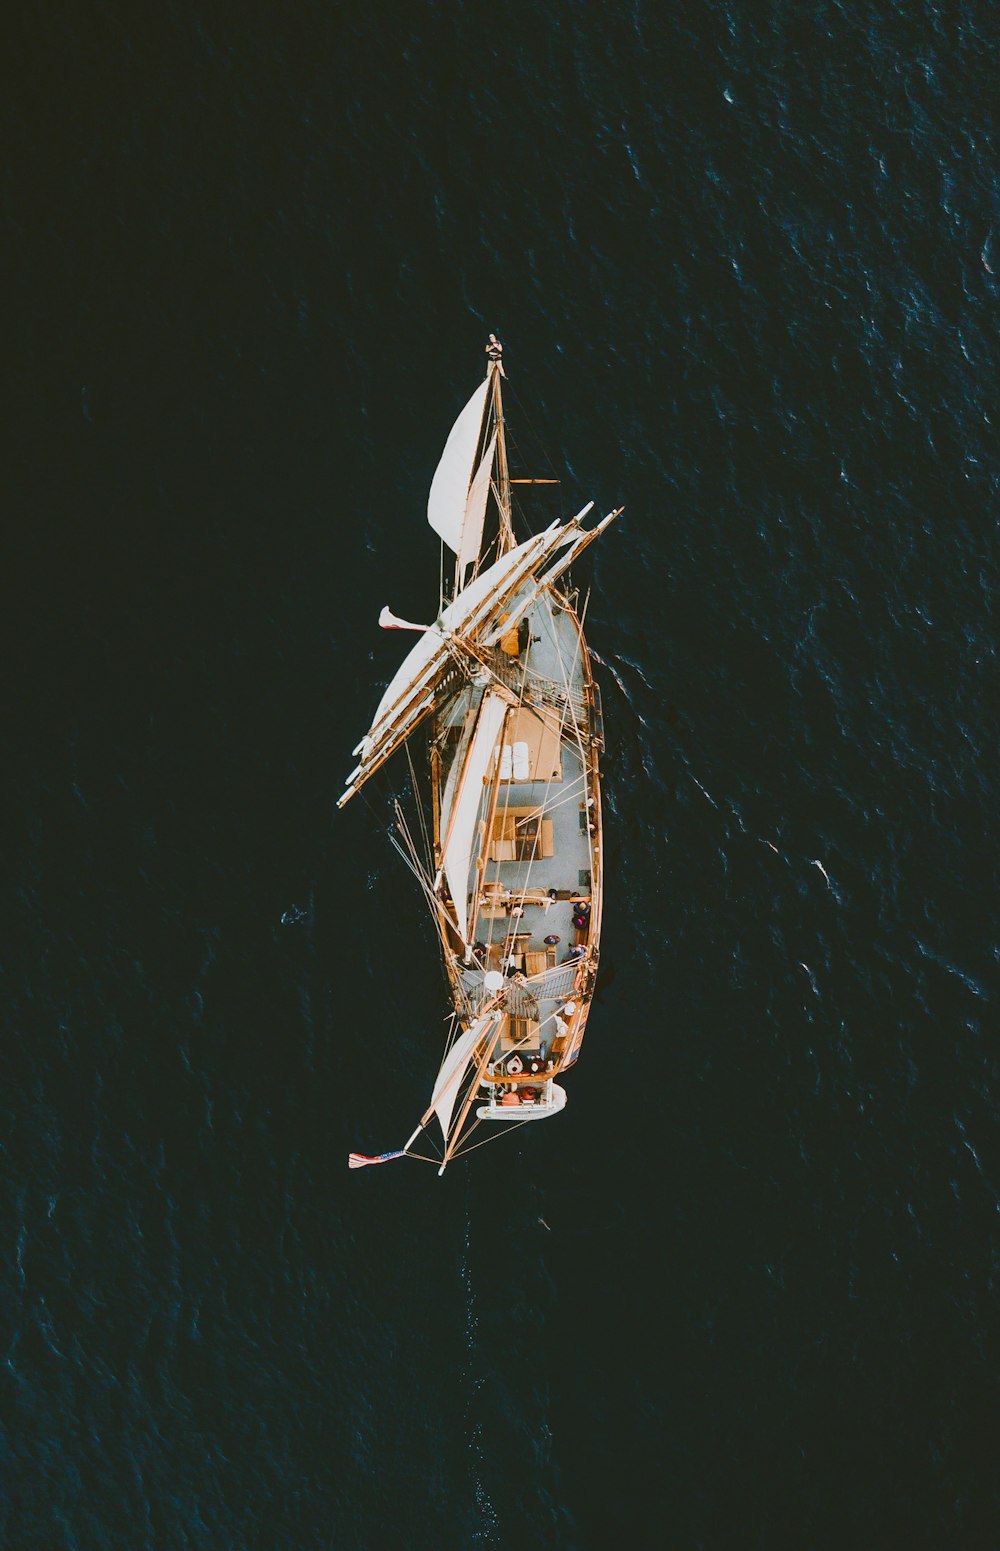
{"points": [[523, 1103]]}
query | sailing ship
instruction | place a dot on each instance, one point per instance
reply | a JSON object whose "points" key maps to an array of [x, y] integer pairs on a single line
{"points": [[508, 850]]}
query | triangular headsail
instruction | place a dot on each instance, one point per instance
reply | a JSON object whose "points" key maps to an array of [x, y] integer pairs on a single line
{"points": [[453, 1069], [475, 508], [446, 504]]}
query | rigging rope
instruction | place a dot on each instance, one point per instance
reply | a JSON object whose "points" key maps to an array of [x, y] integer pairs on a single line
{"points": [[568, 711]]}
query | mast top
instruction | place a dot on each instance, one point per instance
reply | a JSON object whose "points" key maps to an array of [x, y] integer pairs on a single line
{"points": [[494, 355]]}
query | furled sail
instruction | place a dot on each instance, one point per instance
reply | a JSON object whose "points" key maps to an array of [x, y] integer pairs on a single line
{"points": [[446, 504], [457, 858], [453, 1069], [574, 547], [406, 701], [475, 507], [581, 542], [390, 621], [455, 617], [455, 772]]}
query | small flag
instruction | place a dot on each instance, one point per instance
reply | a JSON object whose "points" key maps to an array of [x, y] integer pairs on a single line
{"points": [[360, 1160]]}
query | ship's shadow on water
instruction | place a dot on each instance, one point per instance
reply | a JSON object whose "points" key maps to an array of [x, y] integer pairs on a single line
{"points": [[741, 1292]]}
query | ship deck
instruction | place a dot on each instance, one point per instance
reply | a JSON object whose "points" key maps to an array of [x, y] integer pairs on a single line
{"points": [[533, 895]]}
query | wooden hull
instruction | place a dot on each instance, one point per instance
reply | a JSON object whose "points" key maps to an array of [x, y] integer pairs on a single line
{"points": [[536, 876]]}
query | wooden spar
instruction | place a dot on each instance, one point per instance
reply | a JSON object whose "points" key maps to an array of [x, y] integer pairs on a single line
{"points": [[584, 541], [535, 481], [475, 712], [436, 804], [460, 566], [491, 1007], [443, 925], [457, 644], [491, 814], [507, 539], [520, 1079], [494, 372], [547, 579], [429, 688], [540, 549], [456, 1129]]}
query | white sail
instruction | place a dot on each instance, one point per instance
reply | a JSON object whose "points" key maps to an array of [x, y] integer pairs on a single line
{"points": [[401, 708], [453, 475], [475, 508], [458, 844], [390, 621], [453, 1068], [454, 774], [453, 618], [577, 543]]}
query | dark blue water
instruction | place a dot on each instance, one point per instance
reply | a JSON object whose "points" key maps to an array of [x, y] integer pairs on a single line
{"points": [[746, 263]]}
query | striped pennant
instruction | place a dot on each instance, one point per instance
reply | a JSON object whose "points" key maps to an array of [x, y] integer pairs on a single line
{"points": [[360, 1160]]}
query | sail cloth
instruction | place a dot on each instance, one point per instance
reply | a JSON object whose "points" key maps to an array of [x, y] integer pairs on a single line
{"points": [[576, 543], [412, 672], [455, 616], [455, 772], [390, 621], [475, 508], [457, 858], [406, 701], [581, 542], [449, 492], [453, 1069]]}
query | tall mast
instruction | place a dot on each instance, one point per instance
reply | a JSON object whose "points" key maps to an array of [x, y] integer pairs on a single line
{"points": [[493, 425], [502, 485]]}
